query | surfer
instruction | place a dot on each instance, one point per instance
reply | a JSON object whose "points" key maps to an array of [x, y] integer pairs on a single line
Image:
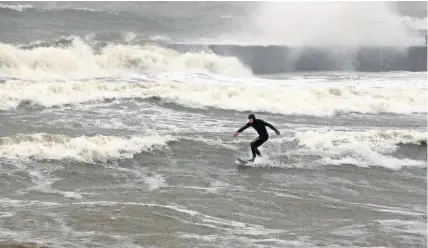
{"points": [[260, 126]]}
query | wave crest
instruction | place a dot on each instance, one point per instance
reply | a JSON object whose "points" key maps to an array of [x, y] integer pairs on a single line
{"points": [[289, 100], [83, 149], [78, 59], [363, 148]]}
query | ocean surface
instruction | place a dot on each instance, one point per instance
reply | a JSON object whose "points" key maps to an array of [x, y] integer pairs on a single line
{"points": [[117, 122]]}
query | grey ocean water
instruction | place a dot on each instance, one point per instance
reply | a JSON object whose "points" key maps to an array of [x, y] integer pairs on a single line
{"points": [[116, 124]]}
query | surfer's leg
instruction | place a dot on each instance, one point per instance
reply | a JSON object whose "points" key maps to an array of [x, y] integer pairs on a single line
{"points": [[258, 143], [254, 146]]}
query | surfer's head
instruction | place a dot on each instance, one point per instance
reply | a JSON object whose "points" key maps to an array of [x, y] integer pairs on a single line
{"points": [[251, 118]]}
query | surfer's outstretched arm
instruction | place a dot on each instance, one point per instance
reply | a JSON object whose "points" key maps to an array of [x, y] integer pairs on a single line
{"points": [[241, 129], [272, 127], [244, 127]]}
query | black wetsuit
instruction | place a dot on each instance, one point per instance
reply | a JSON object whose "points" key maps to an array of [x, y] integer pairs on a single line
{"points": [[260, 126]]}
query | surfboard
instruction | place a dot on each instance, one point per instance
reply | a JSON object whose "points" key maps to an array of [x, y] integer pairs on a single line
{"points": [[241, 161]]}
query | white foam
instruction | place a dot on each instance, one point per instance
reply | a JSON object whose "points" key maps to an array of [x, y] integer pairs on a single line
{"points": [[21, 203], [213, 142], [52, 94], [362, 148], [155, 182], [216, 186], [46, 187], [80, 61], [300, 98], [16, 7], [23, 7], [86, 149]]}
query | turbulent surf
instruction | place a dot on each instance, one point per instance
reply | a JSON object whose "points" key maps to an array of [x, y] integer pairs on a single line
{"points": [[117, 122]]}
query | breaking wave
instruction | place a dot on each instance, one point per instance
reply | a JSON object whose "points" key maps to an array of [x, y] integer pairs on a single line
{"points": [[364, 148], [79, 59], [84, 149], [318, 100]]}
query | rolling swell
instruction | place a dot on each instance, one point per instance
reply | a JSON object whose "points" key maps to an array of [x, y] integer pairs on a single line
{"points": [[281, 59]]}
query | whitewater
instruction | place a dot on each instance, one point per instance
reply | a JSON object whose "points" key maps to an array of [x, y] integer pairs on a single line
{"points": [[117, 122]]}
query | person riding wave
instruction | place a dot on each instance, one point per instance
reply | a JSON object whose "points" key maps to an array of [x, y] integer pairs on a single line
{"points": [[260, 126]]}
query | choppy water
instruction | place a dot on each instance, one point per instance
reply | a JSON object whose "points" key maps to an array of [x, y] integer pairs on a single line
{"points": [[107, 141]]}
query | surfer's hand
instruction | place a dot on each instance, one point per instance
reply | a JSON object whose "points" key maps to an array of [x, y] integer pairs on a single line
{"points": [[235, 134], [278, 133]]}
